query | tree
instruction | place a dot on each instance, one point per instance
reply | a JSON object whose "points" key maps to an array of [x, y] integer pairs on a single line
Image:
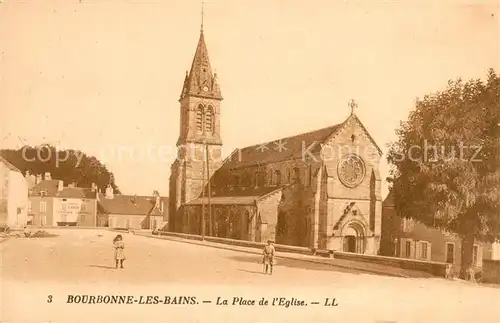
{"points": [[66, 165], [445, 164]]}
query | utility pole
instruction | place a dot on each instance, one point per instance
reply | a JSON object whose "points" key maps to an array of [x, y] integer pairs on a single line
{"points": [[209, 193], [203, 199]]}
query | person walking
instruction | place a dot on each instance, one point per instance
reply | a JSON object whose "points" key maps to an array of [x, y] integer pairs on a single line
{"points": [[268, 257], [119, 250]]}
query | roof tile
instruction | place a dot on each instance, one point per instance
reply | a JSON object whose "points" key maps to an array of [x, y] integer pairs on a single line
{"points": [[279, 150], [130, 205]]}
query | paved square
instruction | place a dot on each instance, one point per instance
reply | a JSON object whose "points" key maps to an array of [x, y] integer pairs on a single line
{"points": [[81, 262]]}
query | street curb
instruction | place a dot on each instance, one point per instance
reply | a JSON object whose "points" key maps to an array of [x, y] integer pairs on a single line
{"points": [[177, 239]]}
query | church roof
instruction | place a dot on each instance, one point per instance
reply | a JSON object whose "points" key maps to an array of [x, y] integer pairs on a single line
{"points": [[201, 81], [224, 200], [237, 195], [279, 150]]}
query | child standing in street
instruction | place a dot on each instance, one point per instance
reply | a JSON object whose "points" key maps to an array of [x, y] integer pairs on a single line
{"points": [[119, 250], [268, 259]]}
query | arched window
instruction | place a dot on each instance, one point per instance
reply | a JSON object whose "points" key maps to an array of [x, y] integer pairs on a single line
{"points": [[288, 174], [247, 180], [217, 222], [296, 175], [199, 119], [209, 120], [277, 175]]}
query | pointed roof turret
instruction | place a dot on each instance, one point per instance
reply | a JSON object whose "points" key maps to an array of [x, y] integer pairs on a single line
{"points": [[201, 81]]}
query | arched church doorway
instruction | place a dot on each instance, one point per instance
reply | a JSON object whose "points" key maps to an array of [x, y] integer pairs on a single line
{"points": [[353, 238], [350, 243]]}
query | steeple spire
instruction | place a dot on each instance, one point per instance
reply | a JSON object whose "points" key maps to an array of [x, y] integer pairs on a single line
{"points": [[201, 81], [202, 3]]}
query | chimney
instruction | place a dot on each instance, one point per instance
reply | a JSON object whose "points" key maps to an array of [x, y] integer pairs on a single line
{"points": [[134, 199], [47, 176], [27, 174], [60, 186], [38, 179], [93, 187], [109, 192], [157, 200]]}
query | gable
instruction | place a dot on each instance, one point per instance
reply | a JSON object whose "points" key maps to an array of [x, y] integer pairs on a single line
{"points": [[360, 130]]}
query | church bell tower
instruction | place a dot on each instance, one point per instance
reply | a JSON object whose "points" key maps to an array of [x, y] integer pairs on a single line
{"points": [[199, 146], [200, 101]]}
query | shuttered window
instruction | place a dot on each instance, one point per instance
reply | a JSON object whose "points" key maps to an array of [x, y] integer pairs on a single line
{"points": [[209, 119], [423, 250], [475, 254], [199, 119]]}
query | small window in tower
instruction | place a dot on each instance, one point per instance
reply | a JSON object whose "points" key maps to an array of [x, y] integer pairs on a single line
{"points": [[277, 177], [199, 119], [209, 118]]}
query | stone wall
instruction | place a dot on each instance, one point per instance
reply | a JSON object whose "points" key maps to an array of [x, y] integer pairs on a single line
{"points": [[124, 221], [295, 214], [267, 219], [434, 268]]}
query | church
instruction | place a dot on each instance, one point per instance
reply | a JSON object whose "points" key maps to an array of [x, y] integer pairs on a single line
{"points": [[320, 189]]}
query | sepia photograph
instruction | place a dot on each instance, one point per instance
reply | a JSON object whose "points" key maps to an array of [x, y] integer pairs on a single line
{"points": [[249, 161]]}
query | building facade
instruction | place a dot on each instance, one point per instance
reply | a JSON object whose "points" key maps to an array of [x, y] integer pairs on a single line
{"points": [[408, 238], [131, 211], [320, 189], [13, 196], [53, 204]]}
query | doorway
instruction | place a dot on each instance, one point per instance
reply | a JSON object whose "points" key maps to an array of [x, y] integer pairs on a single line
{"points": [[350, 243], [450, 253]]}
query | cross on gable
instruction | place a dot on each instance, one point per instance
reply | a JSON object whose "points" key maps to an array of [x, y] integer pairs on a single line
{"points": [[353, 105]]}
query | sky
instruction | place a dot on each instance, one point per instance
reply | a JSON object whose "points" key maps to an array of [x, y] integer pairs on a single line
{"points": [[105, 76]]}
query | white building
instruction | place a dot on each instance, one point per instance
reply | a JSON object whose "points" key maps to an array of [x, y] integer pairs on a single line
{"points": [[13, 196]]}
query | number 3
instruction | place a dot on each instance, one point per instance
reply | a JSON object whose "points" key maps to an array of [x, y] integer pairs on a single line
{"points": [[49, 300]]}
